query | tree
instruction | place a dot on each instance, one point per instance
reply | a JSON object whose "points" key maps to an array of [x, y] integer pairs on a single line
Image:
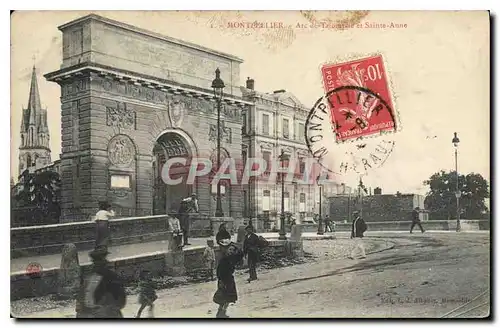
{"points": [[441, 199], [35, 198]]}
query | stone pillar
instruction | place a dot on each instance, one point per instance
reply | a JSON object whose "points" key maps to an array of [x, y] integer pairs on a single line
{"points": [[69, 273], [144, 185], [174, 258]]}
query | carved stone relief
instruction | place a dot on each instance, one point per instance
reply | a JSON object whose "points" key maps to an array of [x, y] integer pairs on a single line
{"points": [[120, 116], [266, 145], [75, 87], [121, 150], [192, 105], [225, 133]]}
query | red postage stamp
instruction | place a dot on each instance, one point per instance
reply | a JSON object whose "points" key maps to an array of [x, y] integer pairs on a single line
{"points": [[359, 97]]}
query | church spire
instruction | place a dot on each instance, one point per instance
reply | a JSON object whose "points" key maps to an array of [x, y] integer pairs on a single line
{"points": [[34, 105], [34, 149]]}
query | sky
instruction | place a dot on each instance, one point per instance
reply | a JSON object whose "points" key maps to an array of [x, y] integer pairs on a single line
{"points": [[438, 66]]}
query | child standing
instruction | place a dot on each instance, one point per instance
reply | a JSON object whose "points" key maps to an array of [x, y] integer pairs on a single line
{"points": [[209, 257], [147, 294]]}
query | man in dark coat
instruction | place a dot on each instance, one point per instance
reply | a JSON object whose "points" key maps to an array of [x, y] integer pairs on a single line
{"points": [[103, 292], [188, 205], [251, 249], [415, 220], [357, 231]]}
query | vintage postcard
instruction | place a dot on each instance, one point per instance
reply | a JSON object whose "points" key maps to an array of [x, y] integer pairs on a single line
{"points": [[250, 164]]}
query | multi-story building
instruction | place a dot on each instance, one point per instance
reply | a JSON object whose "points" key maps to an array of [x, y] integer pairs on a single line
{"points": [[34, 150], [276, 123]]}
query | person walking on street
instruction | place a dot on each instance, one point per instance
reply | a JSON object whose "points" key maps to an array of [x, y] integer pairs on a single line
{"points": [[103, 293], [226, 287], [328, 224], [222, 234], [251, 250], [188, 205], [357, 231], [147, 294], [103, 238], [415, 220]]}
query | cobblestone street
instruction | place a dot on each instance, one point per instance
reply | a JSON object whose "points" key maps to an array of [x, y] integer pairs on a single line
{"points": [[415, 276]]}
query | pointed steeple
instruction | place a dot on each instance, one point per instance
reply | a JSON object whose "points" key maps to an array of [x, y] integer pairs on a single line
{"points": [[34, 105]]}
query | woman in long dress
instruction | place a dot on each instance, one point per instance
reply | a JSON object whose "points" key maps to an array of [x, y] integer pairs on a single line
{"points": [[226, 287], [103, 238]]}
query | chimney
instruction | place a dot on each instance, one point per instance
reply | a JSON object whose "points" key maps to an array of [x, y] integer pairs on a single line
{"points": [[250, 84], [280, 91]]}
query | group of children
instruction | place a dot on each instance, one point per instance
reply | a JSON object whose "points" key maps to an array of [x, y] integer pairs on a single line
{"points": [[147, 290]]}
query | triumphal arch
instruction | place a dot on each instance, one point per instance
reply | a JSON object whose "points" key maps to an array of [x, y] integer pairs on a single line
{"points": [[130, 100]]}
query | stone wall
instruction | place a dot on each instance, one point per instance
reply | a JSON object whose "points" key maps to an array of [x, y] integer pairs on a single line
{"points": [[439, 225], [50, 239], [23, 285], [376, 208]]}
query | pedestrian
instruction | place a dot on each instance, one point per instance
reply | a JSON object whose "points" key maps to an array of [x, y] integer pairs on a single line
{"points": [[175, 227], [188, 205], [147, 294], [103, 292], [358, 229], [103, 238], [209, 257], [226, 287], [251, 250], [415, 220], [328, 224], [222, 234]]}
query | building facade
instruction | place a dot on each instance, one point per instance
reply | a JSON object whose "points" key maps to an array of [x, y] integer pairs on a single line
{"points": [[130, 100], [34, 150], [276, 123]]}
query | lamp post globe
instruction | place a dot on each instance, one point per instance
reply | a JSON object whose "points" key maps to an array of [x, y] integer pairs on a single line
{"points": [[218, 87]]}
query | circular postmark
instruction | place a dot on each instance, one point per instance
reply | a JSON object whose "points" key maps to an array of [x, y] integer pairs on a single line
{"points": [[34, 270], [350, 129]]}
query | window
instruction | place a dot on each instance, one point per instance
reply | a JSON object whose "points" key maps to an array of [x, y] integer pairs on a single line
{"points": [[265, 124], [286, 197], [266, 200], [244, 158], [286, 128], [300, 135], [302, 164], [244, 123], [267, 157], [302, 203]]}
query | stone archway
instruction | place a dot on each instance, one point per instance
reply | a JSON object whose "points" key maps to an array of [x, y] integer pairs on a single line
{"points": [[171, 144]]}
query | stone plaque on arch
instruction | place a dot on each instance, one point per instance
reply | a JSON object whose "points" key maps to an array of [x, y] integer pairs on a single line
{"points": [[121, 150]]}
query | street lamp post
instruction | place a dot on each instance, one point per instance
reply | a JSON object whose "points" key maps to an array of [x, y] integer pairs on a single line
{"points": [[321, 230], [282, 235], [218, 86], [455, 142], [361, 189]]}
